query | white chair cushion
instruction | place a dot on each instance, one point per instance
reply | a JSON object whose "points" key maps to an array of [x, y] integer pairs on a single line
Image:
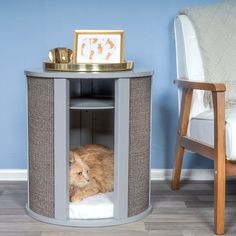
{"points": [[189, 61], [202, 129]]}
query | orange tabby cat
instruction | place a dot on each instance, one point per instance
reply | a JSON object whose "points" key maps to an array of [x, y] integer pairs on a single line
{"points": [[91, 171]]}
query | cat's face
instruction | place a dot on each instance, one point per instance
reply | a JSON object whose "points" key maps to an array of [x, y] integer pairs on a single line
{"points": [[79, 174]]}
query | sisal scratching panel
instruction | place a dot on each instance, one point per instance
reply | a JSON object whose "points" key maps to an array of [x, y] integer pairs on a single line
{"points": [[41, 145], [139, 145]]}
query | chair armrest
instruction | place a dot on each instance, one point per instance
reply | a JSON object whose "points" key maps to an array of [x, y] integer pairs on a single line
{"points": [[214, 87]]}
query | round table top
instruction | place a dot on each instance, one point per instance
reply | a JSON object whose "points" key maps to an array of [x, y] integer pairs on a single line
{"points": [[135, 73]]}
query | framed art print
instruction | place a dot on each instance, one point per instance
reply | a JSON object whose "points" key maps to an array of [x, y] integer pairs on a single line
{"points": [[98, 46]]}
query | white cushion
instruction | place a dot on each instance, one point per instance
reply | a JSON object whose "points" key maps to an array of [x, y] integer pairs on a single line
{"points": [[189, 61], [99, 206], [202, 129]]}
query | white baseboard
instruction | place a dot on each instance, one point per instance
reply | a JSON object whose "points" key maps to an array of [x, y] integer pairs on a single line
{"points": [[13, 174], [156, 174], [186, 174]]}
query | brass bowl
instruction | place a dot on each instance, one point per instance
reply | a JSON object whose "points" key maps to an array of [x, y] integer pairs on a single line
{"points": [[60, 55]]}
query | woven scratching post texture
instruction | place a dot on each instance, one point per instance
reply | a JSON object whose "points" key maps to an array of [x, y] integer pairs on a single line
{"points": [[139, 145], [41, 145]]}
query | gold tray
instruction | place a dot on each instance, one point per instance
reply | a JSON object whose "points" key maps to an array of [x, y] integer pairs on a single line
{"points": [[83, 67]]}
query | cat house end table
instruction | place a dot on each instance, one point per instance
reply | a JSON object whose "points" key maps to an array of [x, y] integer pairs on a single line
{"points": [[69, 109]]}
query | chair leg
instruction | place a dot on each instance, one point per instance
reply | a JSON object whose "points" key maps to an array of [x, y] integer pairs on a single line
{"points": [[219, 162], [178, 166], [219, 200], [182, 131]]}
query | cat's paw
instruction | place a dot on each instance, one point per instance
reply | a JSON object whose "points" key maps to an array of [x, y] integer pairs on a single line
{"points": [[76, 198]]}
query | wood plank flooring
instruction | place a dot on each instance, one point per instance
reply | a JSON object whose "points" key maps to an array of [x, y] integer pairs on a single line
{"points": [[188, 212]]}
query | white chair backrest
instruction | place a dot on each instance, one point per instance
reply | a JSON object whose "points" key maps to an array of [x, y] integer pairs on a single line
{"points": [[189, 61]]}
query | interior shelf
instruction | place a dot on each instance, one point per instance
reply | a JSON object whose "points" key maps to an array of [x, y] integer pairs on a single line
{"points": [[91, 103]]}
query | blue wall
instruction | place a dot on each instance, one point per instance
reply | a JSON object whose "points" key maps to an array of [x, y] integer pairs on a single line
{"points": [[29, 28]]}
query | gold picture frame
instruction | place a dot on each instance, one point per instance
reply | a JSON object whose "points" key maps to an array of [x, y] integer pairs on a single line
{"points": [[98, 46]]}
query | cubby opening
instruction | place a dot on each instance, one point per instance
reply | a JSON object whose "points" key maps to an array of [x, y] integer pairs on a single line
{"points": [[92, 122]]}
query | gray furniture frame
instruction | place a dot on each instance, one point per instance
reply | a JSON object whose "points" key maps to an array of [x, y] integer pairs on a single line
{"points": [[132, 99]]}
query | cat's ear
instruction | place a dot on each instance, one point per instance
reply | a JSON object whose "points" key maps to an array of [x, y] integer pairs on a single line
{"points": [[77, 156], [72, 158], [70, 164]]}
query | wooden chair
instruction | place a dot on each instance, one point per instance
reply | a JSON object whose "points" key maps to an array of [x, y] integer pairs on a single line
{"points": [[191, 88]]}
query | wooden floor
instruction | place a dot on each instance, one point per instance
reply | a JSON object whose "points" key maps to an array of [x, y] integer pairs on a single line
{"points": [[187, 212]]}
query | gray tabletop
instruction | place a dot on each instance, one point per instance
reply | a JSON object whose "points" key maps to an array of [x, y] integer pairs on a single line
{"points": [[90, 75]]}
